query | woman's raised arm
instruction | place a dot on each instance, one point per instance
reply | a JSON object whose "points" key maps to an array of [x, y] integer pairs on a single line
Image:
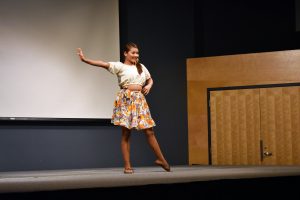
{"points": [[97, 63]]}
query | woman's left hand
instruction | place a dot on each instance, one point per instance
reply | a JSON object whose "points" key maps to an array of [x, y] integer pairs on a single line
{"points": [[146, 89]]}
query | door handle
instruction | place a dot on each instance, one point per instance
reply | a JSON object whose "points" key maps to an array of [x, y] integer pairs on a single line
{"points": [[263, 151], [267, 153]]}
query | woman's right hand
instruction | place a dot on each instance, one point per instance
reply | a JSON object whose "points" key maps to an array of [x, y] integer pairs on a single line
{"points": [[98, 63], [80, 54]]}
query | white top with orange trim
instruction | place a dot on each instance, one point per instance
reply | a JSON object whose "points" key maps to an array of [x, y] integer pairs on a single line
{"points": [[128, 74]]}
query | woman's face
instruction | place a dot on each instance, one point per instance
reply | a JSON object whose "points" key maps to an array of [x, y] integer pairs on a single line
{"points": [[132, 55]]}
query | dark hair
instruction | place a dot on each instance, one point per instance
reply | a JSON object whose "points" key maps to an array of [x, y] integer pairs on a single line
{"points": [[127, 48]]}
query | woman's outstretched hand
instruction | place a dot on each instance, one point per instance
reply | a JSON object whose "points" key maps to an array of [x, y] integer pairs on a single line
{"points": [[80, 54], [97, 63]]}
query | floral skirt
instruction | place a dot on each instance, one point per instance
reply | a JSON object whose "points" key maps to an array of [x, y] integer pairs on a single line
{"points": [[131, 110]]}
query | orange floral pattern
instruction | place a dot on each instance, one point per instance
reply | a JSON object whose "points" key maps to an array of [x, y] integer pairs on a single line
{"points": [[131, 110]]}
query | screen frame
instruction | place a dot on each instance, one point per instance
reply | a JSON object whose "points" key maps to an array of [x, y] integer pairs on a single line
{"points": [[20, 120], [55, 121]]}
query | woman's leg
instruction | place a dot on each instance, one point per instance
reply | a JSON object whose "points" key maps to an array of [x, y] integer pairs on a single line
{"points": [[125, 146], [155, 147]]}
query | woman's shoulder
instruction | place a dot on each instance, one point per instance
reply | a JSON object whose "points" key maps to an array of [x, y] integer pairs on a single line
{"points": [[117, 64], [115, 67], [143, 66]]}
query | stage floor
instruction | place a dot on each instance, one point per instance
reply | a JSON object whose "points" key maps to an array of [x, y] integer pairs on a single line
{"points": [[32, 181]]}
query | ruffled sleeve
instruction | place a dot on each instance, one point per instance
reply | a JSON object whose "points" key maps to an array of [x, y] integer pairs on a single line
{"points": [[147, 73], [114, 67]]}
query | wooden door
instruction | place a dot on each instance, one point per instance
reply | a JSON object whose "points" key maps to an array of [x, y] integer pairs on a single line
{"points": [[280, 125], [235, 127], [255, 126]]}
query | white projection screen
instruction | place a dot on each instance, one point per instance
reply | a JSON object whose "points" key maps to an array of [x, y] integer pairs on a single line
{"points": [[41, 75]]}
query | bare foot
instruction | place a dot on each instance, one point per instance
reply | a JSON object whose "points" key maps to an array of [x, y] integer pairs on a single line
{"points": [[128, 171], [164, 165]]}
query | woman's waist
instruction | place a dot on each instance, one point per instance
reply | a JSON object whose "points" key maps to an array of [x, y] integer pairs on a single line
{"points": [[133, 87]]}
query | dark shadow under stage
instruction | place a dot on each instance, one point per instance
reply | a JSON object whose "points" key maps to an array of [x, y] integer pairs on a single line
{"points": [[194, 181]]}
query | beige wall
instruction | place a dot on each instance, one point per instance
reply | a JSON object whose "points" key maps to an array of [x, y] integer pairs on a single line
{"points": [[233, 70]]}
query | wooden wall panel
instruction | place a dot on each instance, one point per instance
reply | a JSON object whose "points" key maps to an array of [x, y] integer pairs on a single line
{"points": [[233, 70]]}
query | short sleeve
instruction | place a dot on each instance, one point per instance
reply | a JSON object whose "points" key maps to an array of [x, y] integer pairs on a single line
{"points": [[114, 67], [147, 74]]}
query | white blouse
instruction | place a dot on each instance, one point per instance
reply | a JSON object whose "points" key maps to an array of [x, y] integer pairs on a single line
{"points": [[128, 74]]}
